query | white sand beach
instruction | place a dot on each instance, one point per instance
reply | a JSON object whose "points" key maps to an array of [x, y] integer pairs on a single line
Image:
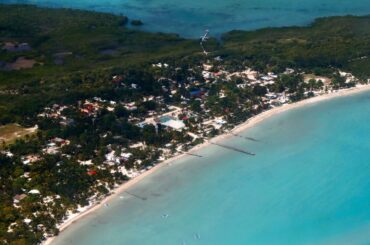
{"points": [[242, 127]]}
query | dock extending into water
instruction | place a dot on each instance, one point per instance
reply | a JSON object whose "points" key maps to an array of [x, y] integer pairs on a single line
{"points": [[233, 149], [244, 137], [136, 196], [191, 154]]}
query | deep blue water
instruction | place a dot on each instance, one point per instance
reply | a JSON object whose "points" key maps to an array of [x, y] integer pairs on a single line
{"points": [[190, 18], [308, 184]]}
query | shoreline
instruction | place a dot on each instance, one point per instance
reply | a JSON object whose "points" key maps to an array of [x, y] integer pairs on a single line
{"points": [[253, 121], [185, 35]]}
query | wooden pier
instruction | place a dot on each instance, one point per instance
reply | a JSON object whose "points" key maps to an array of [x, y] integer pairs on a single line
{"points": [[244, 137], [233, 149], [136, 196], [191, 154]]}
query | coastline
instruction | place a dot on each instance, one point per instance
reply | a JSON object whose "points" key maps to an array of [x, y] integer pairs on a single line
{"points": [[242, 127]]}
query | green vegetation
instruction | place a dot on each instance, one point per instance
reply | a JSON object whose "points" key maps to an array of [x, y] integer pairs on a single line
{"points": [[96, 82], [86, 35], [72, 47], [341, 42], [82, 41]]}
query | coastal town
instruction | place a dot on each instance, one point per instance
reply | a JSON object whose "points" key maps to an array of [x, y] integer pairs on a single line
{"points": [[91, 104], [113, 141]]}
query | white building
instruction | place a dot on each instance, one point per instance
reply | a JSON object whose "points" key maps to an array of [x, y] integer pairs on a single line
{"points": [[175, 124]]}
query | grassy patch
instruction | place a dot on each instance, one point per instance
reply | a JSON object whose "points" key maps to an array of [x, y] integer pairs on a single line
{"points": [[11, 132]]}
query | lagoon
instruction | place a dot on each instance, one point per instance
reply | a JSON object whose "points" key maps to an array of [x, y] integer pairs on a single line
{"points": [[308, 184], [190, 18]]}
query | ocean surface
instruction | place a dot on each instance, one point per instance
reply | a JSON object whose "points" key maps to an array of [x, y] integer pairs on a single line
{"points": [[190, 18], [309, 183]]}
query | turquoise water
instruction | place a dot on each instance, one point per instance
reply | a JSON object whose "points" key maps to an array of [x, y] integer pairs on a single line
{"points": [[165, 119], [308, 184], [189, 18]]}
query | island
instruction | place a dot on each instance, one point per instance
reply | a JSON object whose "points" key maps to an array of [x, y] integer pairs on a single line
{"points": [[87, 103]]}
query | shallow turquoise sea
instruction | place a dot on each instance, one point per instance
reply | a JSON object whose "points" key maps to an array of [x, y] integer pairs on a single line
{"points": [[308, 184], [190, 18]]}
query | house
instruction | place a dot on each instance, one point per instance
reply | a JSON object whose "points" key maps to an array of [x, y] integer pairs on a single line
{"points": [[8, 153], [272, 75], [271, 96], [18, 198], [89, 108], [289, 71], [197, 93], [27, 221], [61, 142], [51, 148], [220, 121], [91, 172], [14, 47], [218, 58], [86, 163], [139, 145], [251, 75], [131, 106], [117, 79], [141, 124], [34, 191], [160, 65], [126, 156], [112, 158], [30, 159], [175, 124], [207, 75], [222, 94]]}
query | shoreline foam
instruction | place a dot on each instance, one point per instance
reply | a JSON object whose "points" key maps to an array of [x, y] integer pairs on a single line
{"points": [[242, 127]]}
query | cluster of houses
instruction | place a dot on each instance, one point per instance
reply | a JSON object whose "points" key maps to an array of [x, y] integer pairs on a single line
{"points": [[177, 117], [54, 146], [56, 112], [348, 77], [16, 47]]}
